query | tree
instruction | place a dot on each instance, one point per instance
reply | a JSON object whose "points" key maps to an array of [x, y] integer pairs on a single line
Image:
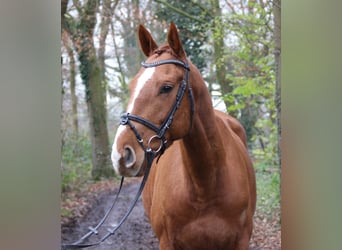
{"points": [[126, 53], [254, 73], [191, 24], [132, 55], [72, 80], [223, 64], [81, 31], [199, 17], [277, 56]]}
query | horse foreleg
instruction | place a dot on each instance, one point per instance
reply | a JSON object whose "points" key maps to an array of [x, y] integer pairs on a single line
{"points": [[164, 244], [243, 243]]}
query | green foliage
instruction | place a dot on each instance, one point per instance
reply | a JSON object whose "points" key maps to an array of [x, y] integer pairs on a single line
{"points": [[193, 34], [76, 162], [268, 188], [66, 212], [268, 151], [252, 74]]}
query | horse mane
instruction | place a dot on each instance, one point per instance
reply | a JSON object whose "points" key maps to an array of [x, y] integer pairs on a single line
{"points": [[165, 48]]}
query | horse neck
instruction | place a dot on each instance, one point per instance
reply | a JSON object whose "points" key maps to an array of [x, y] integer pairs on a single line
{"points": [[200, 148]]}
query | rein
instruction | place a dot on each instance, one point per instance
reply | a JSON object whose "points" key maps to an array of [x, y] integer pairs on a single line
{"points": [[150, 153], [78, 244]]}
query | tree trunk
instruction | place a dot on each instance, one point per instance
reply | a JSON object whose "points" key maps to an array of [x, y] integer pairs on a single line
{"points": [[221, 64], [123, 94], [277, 56], [104, 26], [72, 80], [131, 55], [73, 92], [95, 98], [137, 21], [81, 33]]}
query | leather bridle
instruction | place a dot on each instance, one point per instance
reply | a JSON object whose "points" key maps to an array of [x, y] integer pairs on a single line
{"points": [[127, 118]]}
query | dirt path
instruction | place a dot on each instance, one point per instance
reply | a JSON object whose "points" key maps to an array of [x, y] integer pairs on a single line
{"points": [[136, 232]]}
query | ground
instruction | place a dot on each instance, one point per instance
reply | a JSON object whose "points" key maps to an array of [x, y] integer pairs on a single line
{"points": [[136, 233]]}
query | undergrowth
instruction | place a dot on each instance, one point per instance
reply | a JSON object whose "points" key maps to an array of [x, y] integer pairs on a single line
{"points": [[76, 162], [268, 189]]}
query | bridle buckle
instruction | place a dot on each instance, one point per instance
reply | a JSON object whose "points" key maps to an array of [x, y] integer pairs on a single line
{"points": [[149, 146]]}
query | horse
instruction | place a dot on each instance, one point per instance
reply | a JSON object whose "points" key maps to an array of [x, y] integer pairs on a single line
{"points": [[201, 190]]}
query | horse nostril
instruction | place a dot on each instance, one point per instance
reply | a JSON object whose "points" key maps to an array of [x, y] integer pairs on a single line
{"points": [[129, 157]]}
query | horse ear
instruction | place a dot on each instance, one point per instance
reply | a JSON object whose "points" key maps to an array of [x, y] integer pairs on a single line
{"points": [[147, 44], [174, 41]]}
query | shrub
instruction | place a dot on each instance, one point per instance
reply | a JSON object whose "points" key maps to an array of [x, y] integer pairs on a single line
{"points": [[76, 162]]}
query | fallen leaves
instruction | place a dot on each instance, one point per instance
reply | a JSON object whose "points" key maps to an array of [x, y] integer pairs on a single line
{"points": [[266, 232], [75, 205]]}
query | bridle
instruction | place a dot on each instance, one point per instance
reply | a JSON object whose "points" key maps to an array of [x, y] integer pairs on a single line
{"points": [[126, 118], [150, 153]]}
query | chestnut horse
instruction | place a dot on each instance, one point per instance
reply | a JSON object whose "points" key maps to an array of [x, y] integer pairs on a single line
{"points": [[201, 191]]}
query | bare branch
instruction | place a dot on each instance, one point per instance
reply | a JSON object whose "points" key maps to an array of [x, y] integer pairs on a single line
{"points": [[231, 6], [123, 83], [201, 7]]}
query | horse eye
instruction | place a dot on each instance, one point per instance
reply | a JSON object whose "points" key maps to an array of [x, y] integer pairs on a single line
{"points": [[165, 89]]}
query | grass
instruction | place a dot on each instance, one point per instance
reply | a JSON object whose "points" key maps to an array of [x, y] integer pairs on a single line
{"points": [[268, 189]]}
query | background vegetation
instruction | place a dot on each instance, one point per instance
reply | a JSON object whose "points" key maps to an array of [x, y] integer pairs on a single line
{"points": [[235, 44]]}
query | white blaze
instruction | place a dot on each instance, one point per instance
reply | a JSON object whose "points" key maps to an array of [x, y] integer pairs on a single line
{"points": [[116, 156], [147, 75]]}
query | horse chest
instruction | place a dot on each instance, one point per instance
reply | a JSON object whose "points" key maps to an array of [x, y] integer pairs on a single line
{"points": [[185, 218], [206, 231], [193, 225]]}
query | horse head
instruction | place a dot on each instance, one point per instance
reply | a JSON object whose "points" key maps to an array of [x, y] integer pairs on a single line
{"points": [[158, 111]]}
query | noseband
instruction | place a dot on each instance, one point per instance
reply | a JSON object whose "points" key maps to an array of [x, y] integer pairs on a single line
{"points": [[126, 118]]}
